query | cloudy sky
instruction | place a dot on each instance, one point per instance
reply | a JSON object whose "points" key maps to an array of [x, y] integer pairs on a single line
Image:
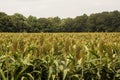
{"points": [[61, 8]]}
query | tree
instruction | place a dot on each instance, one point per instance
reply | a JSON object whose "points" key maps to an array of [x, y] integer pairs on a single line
{"points": [[115, 21], [45, 25], [80, 23], [33, 25], [20, 22], [2, 14], [67, 25], [6, 24], [55, 24], [99, 22]]}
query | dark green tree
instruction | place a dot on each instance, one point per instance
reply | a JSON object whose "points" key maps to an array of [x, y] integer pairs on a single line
{"points": [[20, 22], [45, 25], [33, 25], [67, 25], [80, 23], [55, 24], [6, 24]]}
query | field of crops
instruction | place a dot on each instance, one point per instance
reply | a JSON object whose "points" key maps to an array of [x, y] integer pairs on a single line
{"points": [[60, 56]]}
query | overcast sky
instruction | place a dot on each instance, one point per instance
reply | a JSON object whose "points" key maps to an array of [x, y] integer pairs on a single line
{"points": [[61, 8]]}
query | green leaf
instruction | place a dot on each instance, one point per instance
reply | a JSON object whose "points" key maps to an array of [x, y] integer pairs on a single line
{"points": [[2, 74], [30, 76]]}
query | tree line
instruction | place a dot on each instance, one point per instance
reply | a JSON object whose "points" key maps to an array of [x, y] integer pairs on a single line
{"points": [[97, 22]]}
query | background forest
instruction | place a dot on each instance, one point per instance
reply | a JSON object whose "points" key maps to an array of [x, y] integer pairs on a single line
{"points": [[98, 22]]}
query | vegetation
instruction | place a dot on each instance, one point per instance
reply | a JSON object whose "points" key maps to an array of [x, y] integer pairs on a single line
{"points": [[99, 22], [61, 56]]}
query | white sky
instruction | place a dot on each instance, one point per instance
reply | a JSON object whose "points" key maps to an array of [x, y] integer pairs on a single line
{"points": [[61, 8]]}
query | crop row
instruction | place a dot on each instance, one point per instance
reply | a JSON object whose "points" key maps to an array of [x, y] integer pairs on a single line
{"points": [[60, 56]]}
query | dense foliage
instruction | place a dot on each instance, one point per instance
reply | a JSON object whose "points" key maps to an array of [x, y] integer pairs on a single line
{"points": [[99, 22], [61, 56]]}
